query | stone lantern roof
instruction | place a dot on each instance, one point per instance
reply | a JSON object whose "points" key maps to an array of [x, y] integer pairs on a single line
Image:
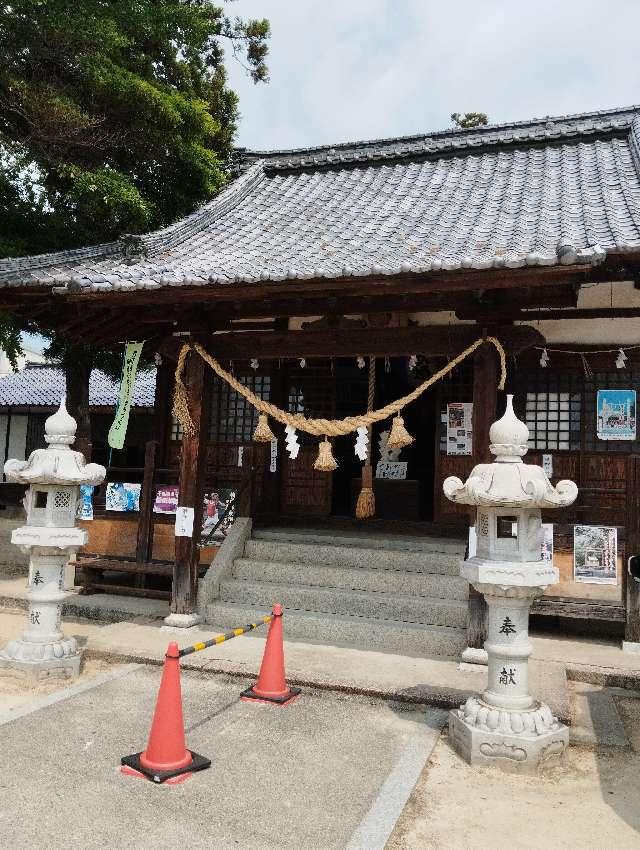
{"points": [[508, 481], [57, 464]]}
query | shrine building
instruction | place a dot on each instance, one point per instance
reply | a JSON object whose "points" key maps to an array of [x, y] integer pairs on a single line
{"points": [[317, 268]]}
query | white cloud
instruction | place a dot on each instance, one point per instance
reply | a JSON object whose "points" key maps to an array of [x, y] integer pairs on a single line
{"points": [[353, 69]]}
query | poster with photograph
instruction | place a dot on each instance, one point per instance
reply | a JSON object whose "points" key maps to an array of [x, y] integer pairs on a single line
{"points": [[546, 545], [166, 500], [218, 506], [122, 497], [85, 502], [459, 428], [595, 552], [616, 410]]}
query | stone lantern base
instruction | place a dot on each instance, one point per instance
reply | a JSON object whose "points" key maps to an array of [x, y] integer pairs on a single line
{"points": [[58, 658], [524, 739]]}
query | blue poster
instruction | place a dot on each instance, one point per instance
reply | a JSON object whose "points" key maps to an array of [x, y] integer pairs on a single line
{"points": [[616, 410]]}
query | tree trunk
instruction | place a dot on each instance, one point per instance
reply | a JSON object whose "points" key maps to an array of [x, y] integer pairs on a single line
{"points": [[77, 373]]}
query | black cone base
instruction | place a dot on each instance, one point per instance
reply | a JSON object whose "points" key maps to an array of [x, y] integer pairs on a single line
{"points": [[250, 694], [198, 762]]}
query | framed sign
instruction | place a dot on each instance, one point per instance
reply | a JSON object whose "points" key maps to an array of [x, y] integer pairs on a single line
{"points": [[616, 410]]}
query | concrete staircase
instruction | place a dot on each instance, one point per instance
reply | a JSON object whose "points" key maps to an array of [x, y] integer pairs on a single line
{"points": [[387, 593]]}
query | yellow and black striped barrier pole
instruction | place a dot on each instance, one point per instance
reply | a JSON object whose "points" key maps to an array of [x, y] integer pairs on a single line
{"points": [[205, 644]]}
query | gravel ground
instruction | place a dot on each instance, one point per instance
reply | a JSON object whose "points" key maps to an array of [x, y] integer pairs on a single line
{"points": [[16, 690], [591, 801]]}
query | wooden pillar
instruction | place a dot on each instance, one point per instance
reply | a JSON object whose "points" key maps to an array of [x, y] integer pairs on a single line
{"points": [[192, 469], [162, 410], [245, 490], [630, 587], [485, 390], [144, 543]]}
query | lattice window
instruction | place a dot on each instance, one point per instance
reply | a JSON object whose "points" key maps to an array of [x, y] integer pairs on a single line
{"points": [[233, 419], [176, 430], [554, 420], [62, 499]]}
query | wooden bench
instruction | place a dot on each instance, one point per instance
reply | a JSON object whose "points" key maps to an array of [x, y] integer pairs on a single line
{"points": [[94, 566]]}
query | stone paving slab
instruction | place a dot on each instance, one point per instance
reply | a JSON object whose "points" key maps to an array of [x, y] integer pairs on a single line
{"points": [[305, 776]]}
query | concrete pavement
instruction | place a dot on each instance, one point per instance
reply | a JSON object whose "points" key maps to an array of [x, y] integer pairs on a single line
{"points": [[309, 775]]}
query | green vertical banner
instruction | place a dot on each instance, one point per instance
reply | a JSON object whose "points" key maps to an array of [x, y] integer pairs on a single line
{"points": [[118, 430]]}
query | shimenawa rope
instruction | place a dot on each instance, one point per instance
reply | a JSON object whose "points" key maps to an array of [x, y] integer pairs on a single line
{"points": [[315, 427]]}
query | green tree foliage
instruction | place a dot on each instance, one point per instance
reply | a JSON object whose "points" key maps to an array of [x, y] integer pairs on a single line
{"points": [[469, 120], [115, 117]]}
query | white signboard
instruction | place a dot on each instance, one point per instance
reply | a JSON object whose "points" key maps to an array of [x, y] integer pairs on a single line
{"points": [[184, 521], [547, 465], [274, 456], [395, 470], [459, 428]]}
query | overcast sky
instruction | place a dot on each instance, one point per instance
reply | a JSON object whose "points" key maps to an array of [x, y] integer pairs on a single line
{"points": [[355, 69]]}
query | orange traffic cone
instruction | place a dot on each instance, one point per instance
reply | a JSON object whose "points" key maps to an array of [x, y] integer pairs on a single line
{"points": [[272, 685], [166, 758]]}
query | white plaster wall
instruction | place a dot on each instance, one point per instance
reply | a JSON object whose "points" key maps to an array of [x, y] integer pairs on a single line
{"points": [[610, 332], [17, 437]]}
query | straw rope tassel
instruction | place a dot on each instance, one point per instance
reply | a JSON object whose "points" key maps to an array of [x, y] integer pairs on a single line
{"points": [[263, 433], [317, 427], [325, 462], [366, 504], [399, 437]]}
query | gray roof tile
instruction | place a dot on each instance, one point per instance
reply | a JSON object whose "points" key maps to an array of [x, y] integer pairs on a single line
{"points": [[44, 386], [542, 192]]}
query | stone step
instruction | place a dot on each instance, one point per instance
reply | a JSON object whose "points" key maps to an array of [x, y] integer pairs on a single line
{"points": [[338, 630], [352, 578], [357, 603], [351, 556], [363, 539]]}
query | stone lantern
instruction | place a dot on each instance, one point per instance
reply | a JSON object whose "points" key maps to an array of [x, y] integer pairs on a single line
{"points": [[49, 538], [506, 724]]}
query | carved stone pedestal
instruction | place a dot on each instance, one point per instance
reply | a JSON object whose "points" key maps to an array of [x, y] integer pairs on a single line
{"points": [[50, 538], [505, 725]]}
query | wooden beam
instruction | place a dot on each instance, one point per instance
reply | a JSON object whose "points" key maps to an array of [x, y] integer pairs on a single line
{"points": [[429, 339], [530, 315], [192, 466], [461, 281]]}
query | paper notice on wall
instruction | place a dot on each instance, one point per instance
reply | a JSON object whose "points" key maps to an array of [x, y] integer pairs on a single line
{"points": [[595, 554], [547, 465], [459, 428], [184, 521], [274, 456], [240, 455]]}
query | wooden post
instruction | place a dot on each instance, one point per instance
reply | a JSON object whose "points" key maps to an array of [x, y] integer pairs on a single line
{"points": [[162, 410], [630, 587], [485, 389], [245, 498], [144, 544], [192, 468]]}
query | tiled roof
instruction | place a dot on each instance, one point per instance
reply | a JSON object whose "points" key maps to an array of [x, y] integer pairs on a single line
{"points": [[44, 386], [548, 191]]}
